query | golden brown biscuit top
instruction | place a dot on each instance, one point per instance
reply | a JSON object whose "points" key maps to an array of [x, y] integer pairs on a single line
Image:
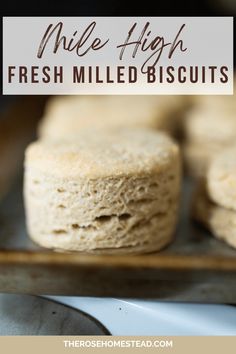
{"points": [[111, 153]]}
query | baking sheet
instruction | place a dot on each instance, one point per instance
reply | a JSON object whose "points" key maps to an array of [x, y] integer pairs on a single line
{"points": [[196, 267]]}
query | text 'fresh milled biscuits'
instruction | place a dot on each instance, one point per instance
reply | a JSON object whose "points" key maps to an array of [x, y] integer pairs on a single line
{"points": [[220, 221], [116, 192], [221, 179]]}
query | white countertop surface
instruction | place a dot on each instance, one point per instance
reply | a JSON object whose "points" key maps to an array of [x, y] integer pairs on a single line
{"points": [[33, 315]]}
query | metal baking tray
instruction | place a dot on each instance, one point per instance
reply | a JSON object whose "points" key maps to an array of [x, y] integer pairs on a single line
{"points": [[196, 267]]}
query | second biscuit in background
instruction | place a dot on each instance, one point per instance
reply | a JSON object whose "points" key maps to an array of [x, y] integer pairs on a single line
{"points": [[68, 116]]}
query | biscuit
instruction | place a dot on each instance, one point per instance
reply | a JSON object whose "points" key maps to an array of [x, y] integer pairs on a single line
{"points": [[104, 193], [206, 133], [221, 179], [67, 116], [220, 221], [216, 103], [197, 158], [202, 126]]}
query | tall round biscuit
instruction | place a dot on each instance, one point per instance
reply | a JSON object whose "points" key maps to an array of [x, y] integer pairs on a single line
{"points": [[207, 132], [221, 179], [204, 126], [68, 116], [116, 192], [220, 221]]}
